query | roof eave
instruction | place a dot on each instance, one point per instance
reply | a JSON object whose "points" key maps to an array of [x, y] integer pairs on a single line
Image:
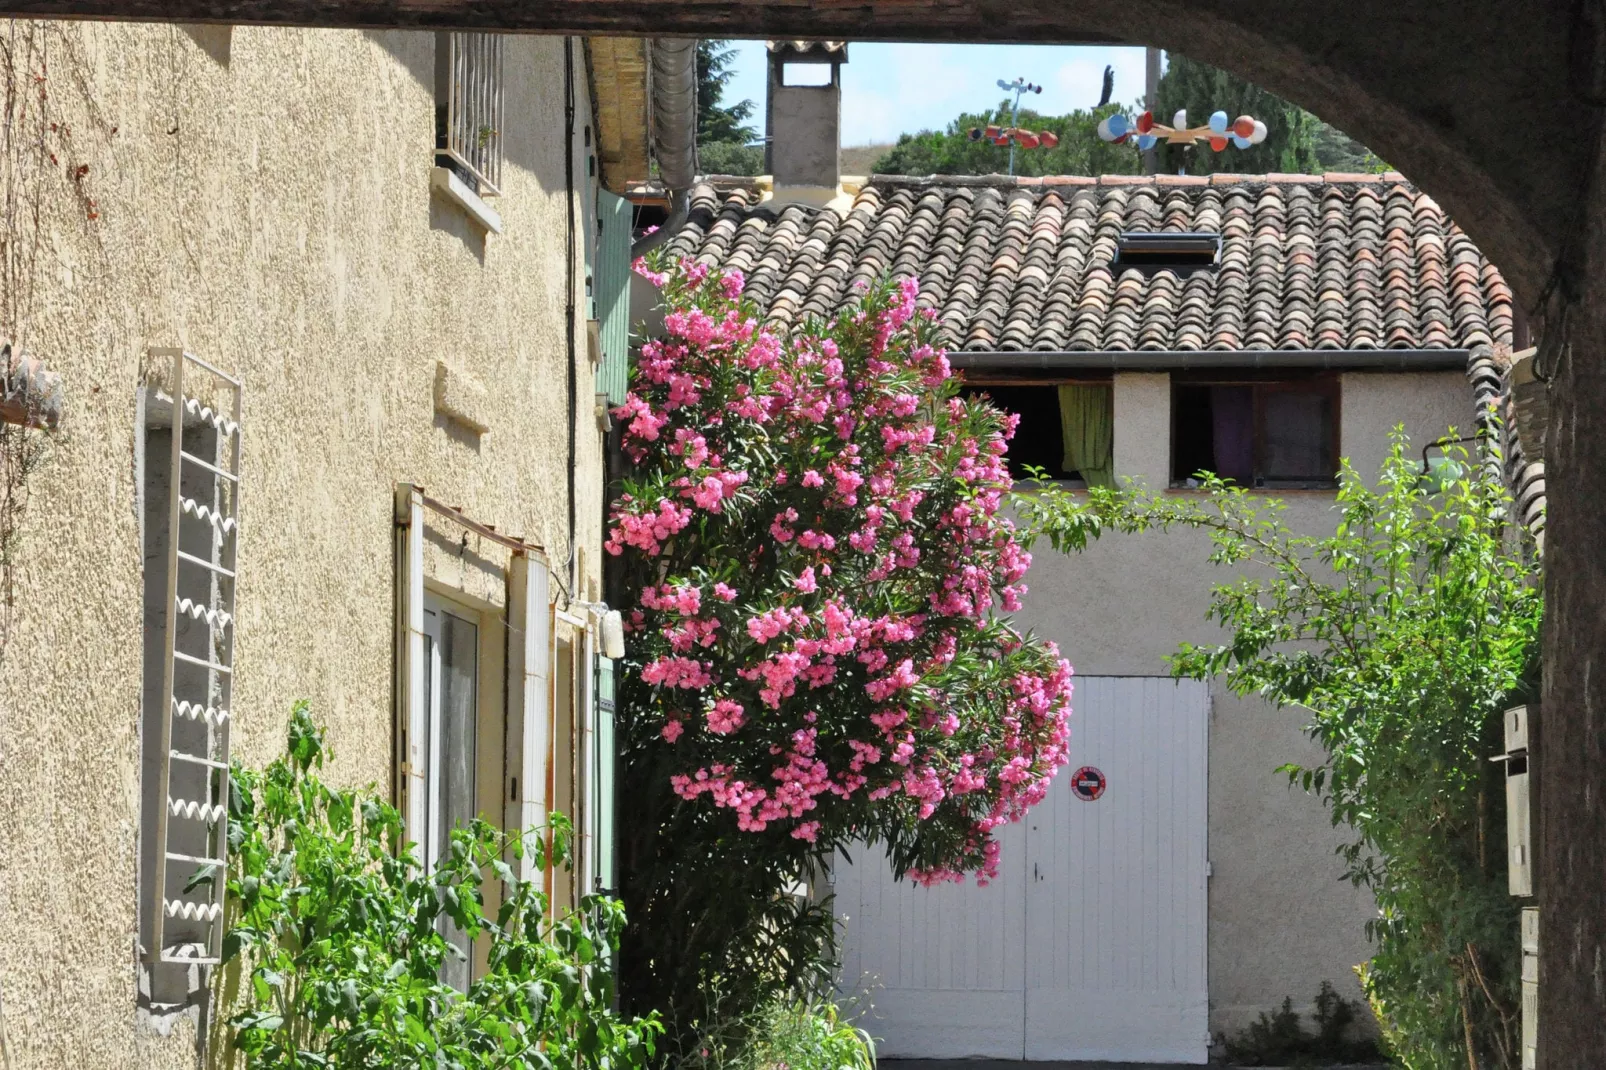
{"points": [[1390, 360]]}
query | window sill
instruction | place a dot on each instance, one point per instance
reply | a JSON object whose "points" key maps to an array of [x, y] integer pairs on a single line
{"points": [[444, 181], [1262, 492]]}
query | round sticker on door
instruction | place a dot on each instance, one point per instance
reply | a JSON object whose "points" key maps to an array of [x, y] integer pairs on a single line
{"points": [[1088, 783]]}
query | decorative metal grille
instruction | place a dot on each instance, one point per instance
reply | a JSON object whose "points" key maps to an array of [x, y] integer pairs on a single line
{"points": [[188, 879], [470, 88]]}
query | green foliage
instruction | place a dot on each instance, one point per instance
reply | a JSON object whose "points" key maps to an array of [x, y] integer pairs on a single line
{"points": [[1281, 1039], [784, 1034], [1337, 151], [951, 152], [339, 937], [1290, 130], [730, 158], [1297, 142], [1404, 634], [716, 121]]}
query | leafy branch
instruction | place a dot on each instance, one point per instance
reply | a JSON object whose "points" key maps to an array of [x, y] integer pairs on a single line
{"points": [[1402, 635], [342, 936]]}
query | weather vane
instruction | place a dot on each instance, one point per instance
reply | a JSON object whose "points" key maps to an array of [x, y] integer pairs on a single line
{"points": [[1242, 132], [1012, 134]]}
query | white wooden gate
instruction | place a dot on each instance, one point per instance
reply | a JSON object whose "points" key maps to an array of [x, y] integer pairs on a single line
{"points": [[1091, 944]]}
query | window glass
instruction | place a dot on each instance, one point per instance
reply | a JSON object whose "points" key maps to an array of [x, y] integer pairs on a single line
{"points": [[1256, 433], [1297, 430], [452, 699]]}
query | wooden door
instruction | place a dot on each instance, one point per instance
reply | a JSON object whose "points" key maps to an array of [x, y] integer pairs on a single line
{"points": [[1091, 944], [1116, 891]]}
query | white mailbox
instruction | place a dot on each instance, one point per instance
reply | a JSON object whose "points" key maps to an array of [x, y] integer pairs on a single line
{"points": [[1519, 837]]}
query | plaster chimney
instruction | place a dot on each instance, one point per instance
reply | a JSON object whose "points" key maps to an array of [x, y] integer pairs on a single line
{"points": [[803, 119]]}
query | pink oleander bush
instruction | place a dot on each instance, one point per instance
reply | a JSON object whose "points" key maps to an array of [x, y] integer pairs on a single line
{"points": [[815, 559]]}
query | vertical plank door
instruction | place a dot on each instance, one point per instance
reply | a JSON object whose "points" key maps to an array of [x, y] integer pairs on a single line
{"points": [[935, 972], [1116, 887]]}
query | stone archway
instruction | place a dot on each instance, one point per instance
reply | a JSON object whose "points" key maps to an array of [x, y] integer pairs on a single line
{"points": [[1493, 106]]}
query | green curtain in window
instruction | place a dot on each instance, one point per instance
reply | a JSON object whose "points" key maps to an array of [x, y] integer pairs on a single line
{"points": [[1087, 423]]}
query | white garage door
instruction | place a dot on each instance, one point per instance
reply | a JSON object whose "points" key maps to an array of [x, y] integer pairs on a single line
{"points": [[1091, 944]]}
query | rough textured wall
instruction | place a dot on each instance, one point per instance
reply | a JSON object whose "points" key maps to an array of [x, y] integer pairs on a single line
{"points": [[264, 201], [1280, 920]]}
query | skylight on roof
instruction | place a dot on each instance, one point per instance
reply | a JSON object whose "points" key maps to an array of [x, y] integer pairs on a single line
{"points": [[1183, 253]]}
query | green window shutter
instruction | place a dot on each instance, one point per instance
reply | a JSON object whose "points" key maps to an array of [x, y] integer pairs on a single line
{"points": [[605, 752], [613, 296]]}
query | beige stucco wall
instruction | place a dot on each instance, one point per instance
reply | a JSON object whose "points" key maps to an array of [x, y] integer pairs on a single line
{"points": [[1280, 921], [265, 202]]}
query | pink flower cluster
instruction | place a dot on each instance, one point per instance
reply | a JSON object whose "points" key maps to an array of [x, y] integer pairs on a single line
{"points": [[835, 479]]}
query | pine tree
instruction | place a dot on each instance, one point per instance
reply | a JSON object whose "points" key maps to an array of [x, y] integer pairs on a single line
{"points": [[715, 120]]}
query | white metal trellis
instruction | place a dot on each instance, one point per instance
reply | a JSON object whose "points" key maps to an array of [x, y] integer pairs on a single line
{"points": [[197, 673]]}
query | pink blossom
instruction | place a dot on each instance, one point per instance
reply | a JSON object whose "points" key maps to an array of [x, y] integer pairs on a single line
{"points": [[726, 717], [841, 471]]}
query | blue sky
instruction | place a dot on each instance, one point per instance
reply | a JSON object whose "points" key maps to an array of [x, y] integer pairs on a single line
{"points": [[890, 89]]}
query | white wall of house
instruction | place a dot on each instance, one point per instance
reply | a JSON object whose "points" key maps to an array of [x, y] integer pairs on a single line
{"points": [[1280, 920]]}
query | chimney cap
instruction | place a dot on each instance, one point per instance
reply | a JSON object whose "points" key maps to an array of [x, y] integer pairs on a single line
{"points": [[835, 51]]}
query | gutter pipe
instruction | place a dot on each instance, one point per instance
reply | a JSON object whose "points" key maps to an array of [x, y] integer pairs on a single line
{"points": [[674, 131]]}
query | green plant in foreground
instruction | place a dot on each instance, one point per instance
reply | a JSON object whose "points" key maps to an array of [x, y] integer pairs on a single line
{"points": [[1403, 634], [338, 937], [783, 1034], [1280, 1039]]}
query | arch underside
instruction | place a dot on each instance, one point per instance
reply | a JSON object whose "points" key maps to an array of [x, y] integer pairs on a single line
{"points": [[1460, 96]]}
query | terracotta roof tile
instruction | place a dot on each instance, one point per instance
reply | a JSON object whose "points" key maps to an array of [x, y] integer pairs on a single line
{"points": [[1332, 261]]}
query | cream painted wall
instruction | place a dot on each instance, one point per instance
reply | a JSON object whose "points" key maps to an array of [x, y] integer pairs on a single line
{"points": [[1280, 920], [264, 201]]}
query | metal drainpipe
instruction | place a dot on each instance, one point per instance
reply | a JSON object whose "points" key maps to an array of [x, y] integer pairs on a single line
{"points": [[674, 107]]}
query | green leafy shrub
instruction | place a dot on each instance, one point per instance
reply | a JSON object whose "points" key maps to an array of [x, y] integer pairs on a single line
{"points": [[784, 1034], [1404, 635], [1281, 1039], [339, 939]]}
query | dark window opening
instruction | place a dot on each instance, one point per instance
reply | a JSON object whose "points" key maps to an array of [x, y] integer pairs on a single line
{"points": [[649, 214], [1040, 440], [1178, 252], [1274, 433]]}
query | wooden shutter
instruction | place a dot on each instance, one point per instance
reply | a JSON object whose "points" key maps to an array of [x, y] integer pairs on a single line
{"points": [[529, 723], [603, 763], [586, 820], [412, 719], [613, 296]]}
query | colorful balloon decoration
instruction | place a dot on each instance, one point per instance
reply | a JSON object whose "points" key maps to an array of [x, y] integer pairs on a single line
{"points": [[1241, 132]]}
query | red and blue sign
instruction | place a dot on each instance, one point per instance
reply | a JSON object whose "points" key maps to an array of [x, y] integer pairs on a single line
{"points": [[1088, 783]]}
